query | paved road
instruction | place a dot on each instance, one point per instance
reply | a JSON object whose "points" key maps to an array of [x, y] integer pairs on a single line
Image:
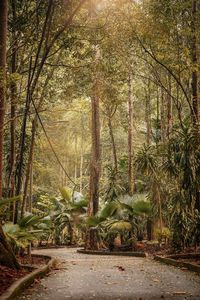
{"points": [[127, 278]]}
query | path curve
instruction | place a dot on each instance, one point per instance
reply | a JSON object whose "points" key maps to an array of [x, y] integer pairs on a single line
{"points": [[84, 277]]}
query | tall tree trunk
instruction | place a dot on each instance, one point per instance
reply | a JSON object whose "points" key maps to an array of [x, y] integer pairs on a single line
{"points": [[30, 161], [158, 121], [148, 114], [95, 157], [130, 136], [3, 38], [195, 79], [29, 208], [81, 156], [6, 254], [22, 143], [13, 98], [95, 164], [75, 158], [162, 116], [112, 138], [169, 108]]}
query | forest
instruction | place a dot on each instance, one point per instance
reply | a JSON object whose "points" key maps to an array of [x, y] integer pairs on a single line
{"points": [[99, 125]]}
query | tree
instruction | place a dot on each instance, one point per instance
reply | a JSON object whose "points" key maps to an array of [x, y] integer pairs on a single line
{"points": [[3, 43], [95, 167], [6, 255]]}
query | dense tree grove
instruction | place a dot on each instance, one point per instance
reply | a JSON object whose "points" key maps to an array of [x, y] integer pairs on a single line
{"points": [[99, 123]]}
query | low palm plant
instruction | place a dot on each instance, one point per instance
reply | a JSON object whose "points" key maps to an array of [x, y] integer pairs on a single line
{"points": [[28, 229], [118, 217]]}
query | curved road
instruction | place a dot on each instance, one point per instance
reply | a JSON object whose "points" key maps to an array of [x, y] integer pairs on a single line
{"points": [[85, 277]]}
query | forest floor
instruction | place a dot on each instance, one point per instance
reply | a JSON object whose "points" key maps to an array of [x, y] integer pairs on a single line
{"points": [[9, 276], [85, 277]]}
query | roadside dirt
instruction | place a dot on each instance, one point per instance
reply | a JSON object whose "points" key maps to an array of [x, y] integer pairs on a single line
{"points": [[9, 276]]}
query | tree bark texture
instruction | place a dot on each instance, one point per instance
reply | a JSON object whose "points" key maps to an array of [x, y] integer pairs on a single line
{"points": [[148, 115], [7, 257], [13, 100], [194, 56], [169, 108], [130, 137], [30, 160], [162, 116], [95, 163], [3, 39], [22, 143], [112, 138], [95, 157]]}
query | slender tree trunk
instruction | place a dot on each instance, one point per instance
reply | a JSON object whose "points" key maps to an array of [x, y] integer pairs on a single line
{"points": [[195, 79], [169, 108], [30, 161], [29, 202], [130, 137], [157, 117], [112, 138], [81, 156], [13, 98], [3, 40], [160, 209], [75, 158], [12, 159], [22, 144], [95, 164], [162, 116], [95, 158], [148, 115]]}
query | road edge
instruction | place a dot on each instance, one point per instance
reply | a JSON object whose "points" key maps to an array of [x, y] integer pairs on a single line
{"points": [[21, 284], [96, 252], [170, 261]]}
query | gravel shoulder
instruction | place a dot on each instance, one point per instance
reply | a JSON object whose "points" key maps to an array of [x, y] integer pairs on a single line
{"points": [[85, 277]]}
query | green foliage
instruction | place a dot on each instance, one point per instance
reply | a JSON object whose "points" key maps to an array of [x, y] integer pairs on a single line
{"points": [[66, 193], [160, 65], [29, 221], [4, 202], [163, 235], [142, 207], [28, 229], [17, 236], [146, 160], [119, 226]]}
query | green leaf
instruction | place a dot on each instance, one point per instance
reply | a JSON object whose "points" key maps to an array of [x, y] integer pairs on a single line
{"points": [[10, 200], [29, 221], [66, 193], [120, 226], [142, 207]]}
